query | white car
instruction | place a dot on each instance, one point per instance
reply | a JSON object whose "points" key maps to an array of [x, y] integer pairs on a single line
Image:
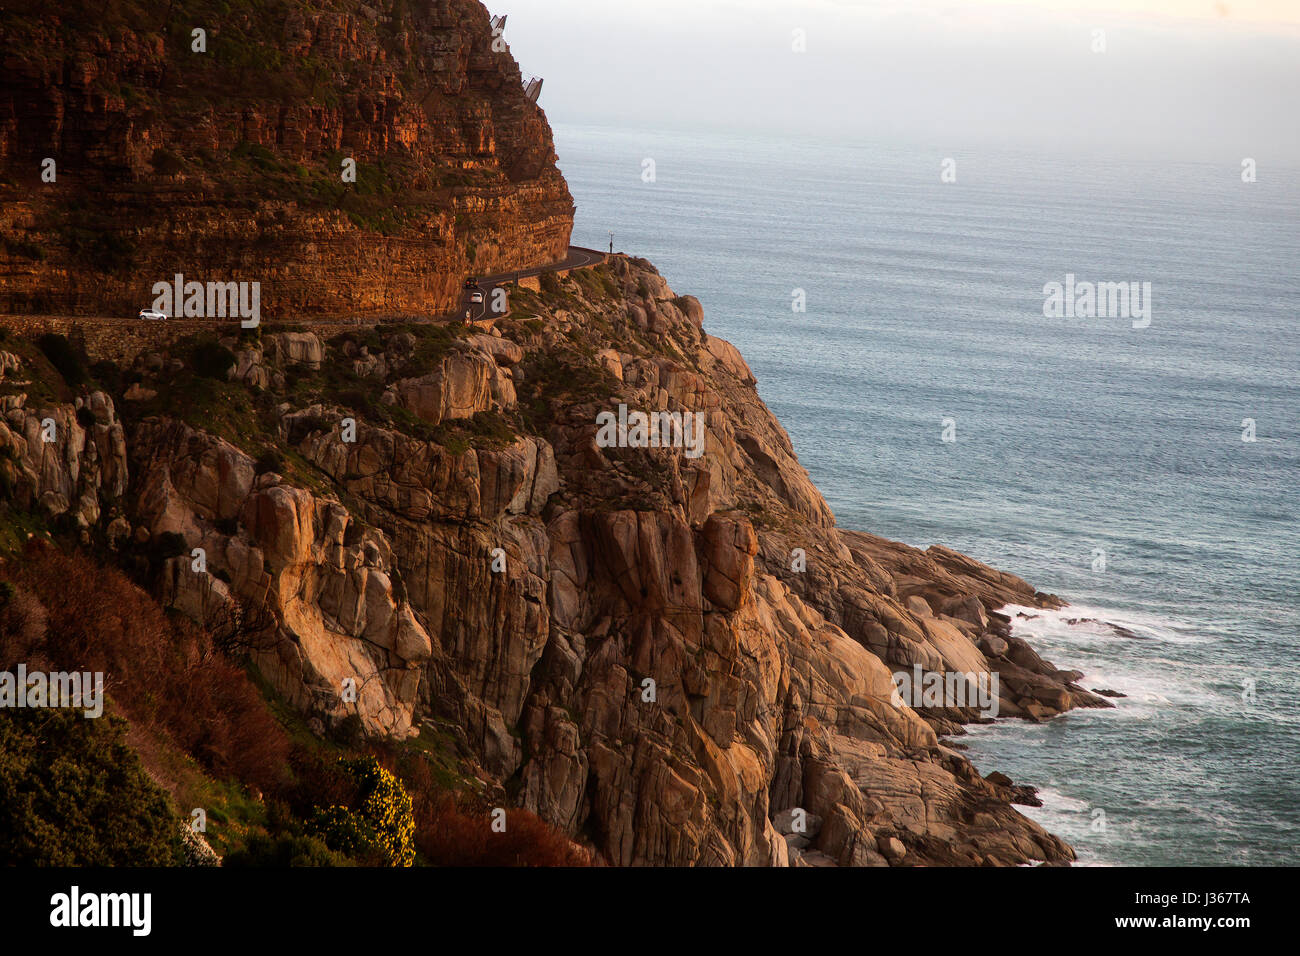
{"points": [[476, 298], [153, 314]]}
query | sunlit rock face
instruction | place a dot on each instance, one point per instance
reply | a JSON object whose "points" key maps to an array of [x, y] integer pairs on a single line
{"points": [[229, 164], [681, 660]]}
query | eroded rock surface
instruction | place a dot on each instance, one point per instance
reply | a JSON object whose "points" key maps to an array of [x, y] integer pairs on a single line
{"points": [[679, 660]]}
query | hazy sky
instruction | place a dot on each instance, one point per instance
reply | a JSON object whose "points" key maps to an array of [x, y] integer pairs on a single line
{"points": [[1179, 79]]}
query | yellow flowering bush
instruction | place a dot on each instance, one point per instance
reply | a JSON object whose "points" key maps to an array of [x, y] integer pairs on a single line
{"points": [[381, 824]]}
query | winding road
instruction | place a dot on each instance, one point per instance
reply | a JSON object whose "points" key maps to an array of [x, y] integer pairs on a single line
{"points": [[578, 258]]}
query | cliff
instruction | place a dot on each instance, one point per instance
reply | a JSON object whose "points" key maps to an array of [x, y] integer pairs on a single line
{"points": [[473, 559], [441, 546], [128, 156]]}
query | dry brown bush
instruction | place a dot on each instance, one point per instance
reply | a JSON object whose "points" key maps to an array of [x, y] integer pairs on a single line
{"points": [[454, 829], [160, 670]]}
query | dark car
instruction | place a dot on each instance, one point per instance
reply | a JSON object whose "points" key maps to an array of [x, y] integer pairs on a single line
{"points": [[471, 283]]}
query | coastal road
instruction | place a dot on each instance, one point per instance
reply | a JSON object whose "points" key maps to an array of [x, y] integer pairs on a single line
{"points": [[578, 258]]}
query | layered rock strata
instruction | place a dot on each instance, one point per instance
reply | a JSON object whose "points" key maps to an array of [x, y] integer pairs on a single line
{"points": [[128, 156]]}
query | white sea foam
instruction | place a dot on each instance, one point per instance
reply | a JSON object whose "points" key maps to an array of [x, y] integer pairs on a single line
{"points": [[1135, 666], [1071, 820], [1095, 622]]}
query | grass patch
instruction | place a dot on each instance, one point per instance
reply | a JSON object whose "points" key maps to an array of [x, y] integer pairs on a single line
{"points": [[16, 525]]}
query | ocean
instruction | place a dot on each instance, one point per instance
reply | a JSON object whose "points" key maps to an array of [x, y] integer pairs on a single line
{"points": [[1099, 461]]}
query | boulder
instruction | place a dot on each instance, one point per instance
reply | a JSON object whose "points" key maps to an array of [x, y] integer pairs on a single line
{"points": [[464, 384], [891, 848], [297, 348]]}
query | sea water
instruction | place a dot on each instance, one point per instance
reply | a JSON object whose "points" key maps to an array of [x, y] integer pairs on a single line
{"points": [[1150, 476]]}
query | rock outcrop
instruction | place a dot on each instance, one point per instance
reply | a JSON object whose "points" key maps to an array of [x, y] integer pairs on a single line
{"points": [[63, 459], [343, 640]]}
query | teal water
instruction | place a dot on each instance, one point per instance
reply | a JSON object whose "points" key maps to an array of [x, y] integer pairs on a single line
{"points": [[925, 302]]}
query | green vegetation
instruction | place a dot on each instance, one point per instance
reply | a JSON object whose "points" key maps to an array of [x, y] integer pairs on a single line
{"points": [[39, 378], [165, 162], [24, 248], [488, 429], [597, 283], [223, 408], [72, 793], [285, 849], [96, 239], [380, 824], [270, 461], [556, 380], [16, 524]]}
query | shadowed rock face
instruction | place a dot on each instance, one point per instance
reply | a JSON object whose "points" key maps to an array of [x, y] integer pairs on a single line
{"points": [[620, 639], [227, 165]]}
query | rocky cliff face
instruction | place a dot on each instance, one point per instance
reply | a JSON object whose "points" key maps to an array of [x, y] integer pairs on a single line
{"points": [[128, 155], [676, 659], [672, 654]]}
